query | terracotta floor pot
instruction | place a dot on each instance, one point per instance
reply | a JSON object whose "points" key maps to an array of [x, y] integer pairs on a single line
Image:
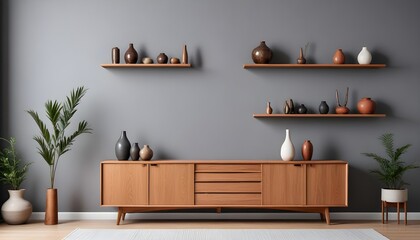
{"points": [[51, 208]]}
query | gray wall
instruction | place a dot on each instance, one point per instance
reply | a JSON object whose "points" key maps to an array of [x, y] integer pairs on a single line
{"points": [[206, 112]]}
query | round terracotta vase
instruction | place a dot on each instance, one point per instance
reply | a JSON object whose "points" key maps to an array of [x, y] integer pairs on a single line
{"points": [[16, 210], [342, 110], [338, 57], [366, 106], [262, 54]]}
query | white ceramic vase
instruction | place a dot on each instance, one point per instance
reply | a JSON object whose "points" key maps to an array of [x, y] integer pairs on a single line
{"points": [[16, 210], [287, 151], [364, 56]]}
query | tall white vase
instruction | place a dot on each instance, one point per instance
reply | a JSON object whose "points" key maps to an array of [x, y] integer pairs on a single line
{"points": [[287, 151], [364, 56], [16, 210]]}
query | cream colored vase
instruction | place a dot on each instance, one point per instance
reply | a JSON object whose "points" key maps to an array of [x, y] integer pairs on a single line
{"points": [[16, 210], [394, 195], [287, 151]]}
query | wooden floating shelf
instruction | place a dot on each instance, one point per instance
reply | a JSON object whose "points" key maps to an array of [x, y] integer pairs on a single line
{"points": [[246, 66], [142, 65], [319, 115]]}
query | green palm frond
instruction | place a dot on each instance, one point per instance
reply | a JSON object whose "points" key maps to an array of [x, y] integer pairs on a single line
{"points": [[52, 144], [392, 169]]}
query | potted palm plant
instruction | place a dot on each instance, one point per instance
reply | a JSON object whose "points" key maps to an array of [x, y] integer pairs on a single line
{"points": [[16, 210], [391, 170], [53, 142]]}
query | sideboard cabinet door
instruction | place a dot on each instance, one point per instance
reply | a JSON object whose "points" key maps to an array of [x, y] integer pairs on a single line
{"points": [[124, 184], [283, 184], [327, 184], [172, 184]]}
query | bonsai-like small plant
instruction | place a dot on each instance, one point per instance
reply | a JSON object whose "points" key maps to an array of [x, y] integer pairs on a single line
{"points": [[391, 168], [54, 143], [12, 172]]}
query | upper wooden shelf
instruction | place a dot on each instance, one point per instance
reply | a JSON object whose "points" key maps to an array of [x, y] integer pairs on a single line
{"points": [[319, 115], [142, 65], [314, 66]]}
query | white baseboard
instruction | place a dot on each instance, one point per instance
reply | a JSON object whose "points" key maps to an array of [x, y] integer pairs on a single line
{"points": [[223, 216]]}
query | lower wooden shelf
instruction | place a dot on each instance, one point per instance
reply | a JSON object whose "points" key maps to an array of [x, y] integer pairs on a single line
{"points": [[315, 115], [142, 65]]}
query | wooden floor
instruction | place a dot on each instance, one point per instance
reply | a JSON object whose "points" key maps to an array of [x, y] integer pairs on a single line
{"points": [[37, 230]]}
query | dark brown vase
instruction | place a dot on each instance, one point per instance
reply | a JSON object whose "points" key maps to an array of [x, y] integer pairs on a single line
{"points": [[115, 55], [307, 150], [366, 106], [51, 208], [131, 55], [338, 57], [301, 59], [162, 58], [262, 54]]}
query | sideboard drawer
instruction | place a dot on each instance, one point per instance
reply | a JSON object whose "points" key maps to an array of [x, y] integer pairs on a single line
{"points": [[227, 199], [228, 168], [228, 187], [228, 177]]}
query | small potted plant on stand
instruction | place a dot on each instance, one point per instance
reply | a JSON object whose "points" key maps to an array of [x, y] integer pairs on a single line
{"points": [[16, 210], [53, 143], [391, 170]]}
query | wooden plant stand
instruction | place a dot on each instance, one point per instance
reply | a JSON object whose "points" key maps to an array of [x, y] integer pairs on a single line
{"points": [[398, 205]]}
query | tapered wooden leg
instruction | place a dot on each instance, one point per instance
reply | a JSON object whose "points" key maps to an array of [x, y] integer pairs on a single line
{"points": [[382, 204], [398, 212], [386, 209], [123, 216], [327, 215], [119, 216], [322, 216], [405, 213]]}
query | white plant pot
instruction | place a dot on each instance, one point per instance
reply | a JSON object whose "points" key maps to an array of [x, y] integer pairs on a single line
{"points": [[287, 151], [16, 210], [394, 195], [364, 56]]}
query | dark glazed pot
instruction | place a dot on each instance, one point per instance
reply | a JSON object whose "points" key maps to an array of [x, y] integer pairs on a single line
{"points": [[338, 57], [135, 152], [366, 106], [323, 107], [115, 55], [301, 59], [302, 109], [122, 147], [131, 55], [262, 54], [162, 58], [307, 150]]}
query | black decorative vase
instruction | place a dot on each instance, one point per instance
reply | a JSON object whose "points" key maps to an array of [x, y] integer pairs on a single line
{"points": [[302, 109], [131, 55], [323, 107], [162, 58], [122, 147], [262, 54], [135, 152]]}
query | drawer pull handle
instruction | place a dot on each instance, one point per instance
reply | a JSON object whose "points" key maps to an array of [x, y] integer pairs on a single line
{"points": [[154, 165]]}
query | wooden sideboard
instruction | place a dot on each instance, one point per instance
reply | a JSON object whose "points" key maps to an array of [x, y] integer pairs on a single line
{"points": [[144, 186]]}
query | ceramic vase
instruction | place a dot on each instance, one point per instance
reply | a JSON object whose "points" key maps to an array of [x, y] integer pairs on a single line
{"points": [[184, 55], [135, 152], [323, 107], [301, 59], [366, 106], [289, 107], [51, 207], [307, 150], [269, 110], [162, 58], [146, 153], [131, 55], [287, 151], [262, 54], [342, 110], [16, 210], [364, 56], [115, 55], [338, 57], [302, 109], [122, 147]]}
